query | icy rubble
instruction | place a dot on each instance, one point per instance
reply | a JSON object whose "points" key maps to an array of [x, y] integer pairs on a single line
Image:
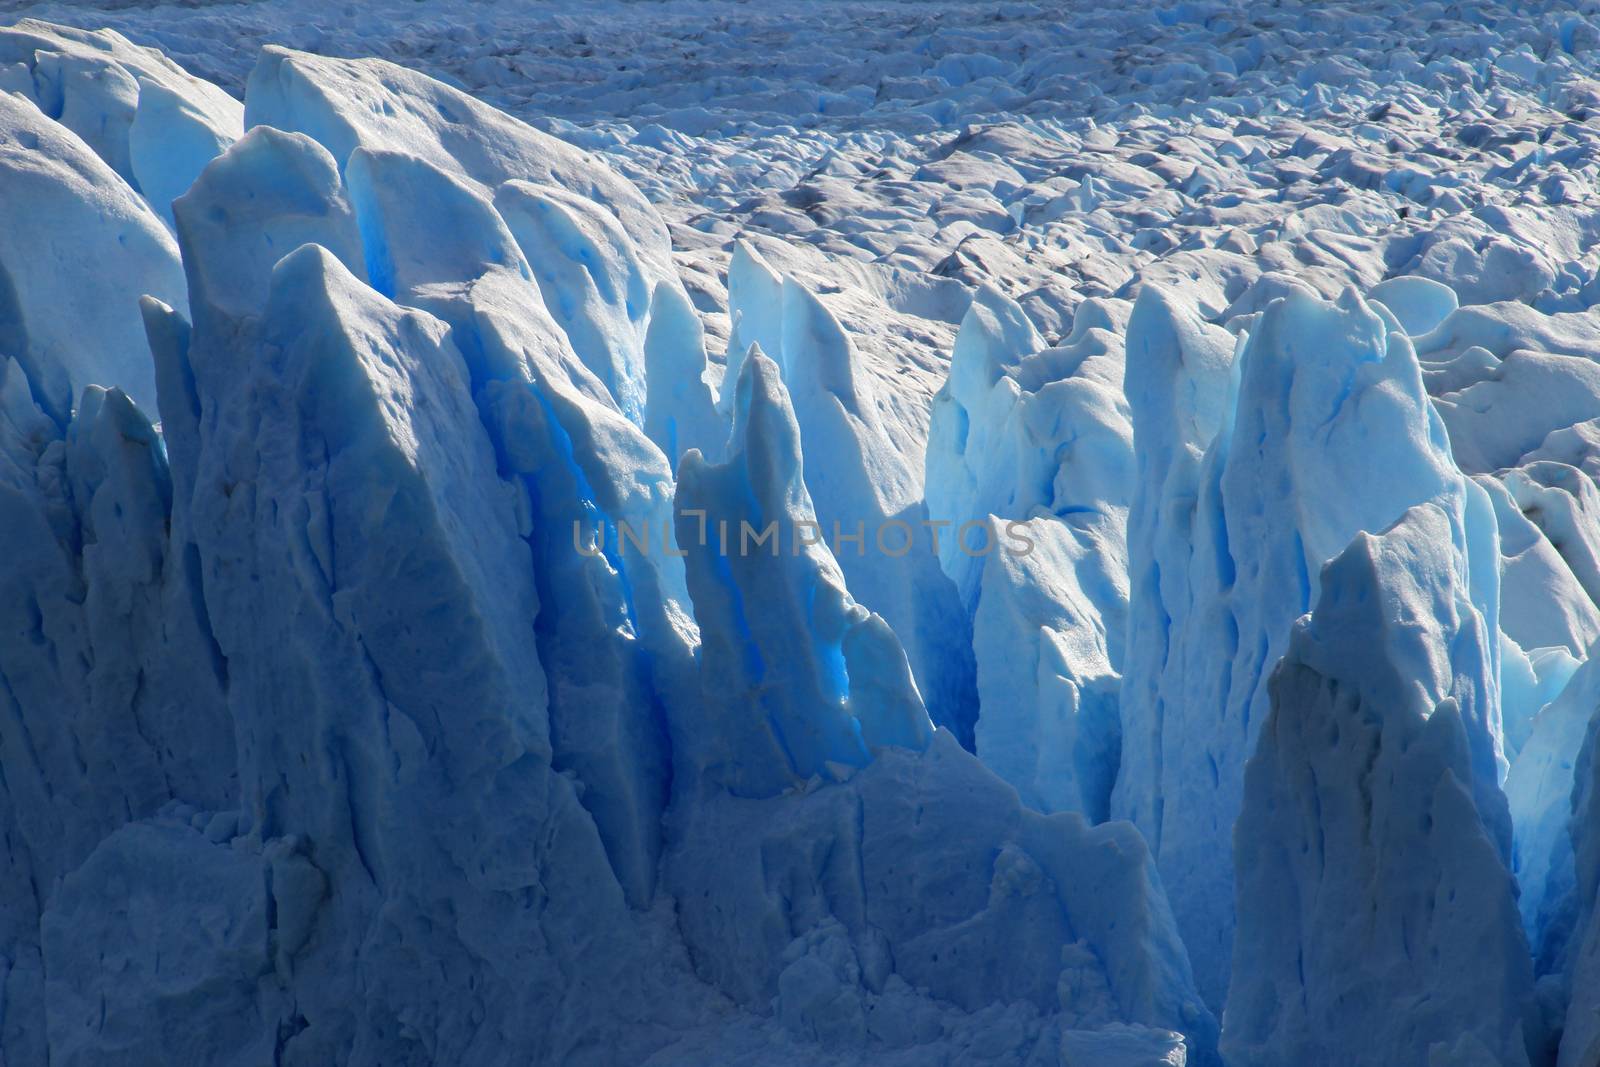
{"points": [[1271, 333]]}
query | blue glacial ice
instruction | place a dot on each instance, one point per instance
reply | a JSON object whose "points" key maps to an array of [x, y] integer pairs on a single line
{"points": [[1370, 854], [901, 534]]}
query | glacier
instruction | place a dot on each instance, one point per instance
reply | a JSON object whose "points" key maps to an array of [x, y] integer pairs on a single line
{"points": [[705, 533]]}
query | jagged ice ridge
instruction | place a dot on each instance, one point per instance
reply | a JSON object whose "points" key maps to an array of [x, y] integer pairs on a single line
{"points": [[340, 724]]}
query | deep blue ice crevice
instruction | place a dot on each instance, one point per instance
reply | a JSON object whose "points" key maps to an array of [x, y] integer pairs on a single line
{"points": [[857, 478], [801, 714]]}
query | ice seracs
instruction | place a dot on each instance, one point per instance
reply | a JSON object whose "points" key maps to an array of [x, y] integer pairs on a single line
{"points": [[112, 696], [785, 650], [150, 121], [1047, 680], [862, 477], [397, 695], [1377, 918], [1030, 457], [432, 717], [1178, 374], [68, 209], [584, 213], [1418, 303], [1324, 394]]}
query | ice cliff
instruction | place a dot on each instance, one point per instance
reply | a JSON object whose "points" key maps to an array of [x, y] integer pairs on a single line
{"points": [[1112, 589], [367, 708]]}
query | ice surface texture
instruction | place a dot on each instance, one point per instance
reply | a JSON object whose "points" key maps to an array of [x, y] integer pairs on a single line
{"points": [[340, 749], [387, 675]]}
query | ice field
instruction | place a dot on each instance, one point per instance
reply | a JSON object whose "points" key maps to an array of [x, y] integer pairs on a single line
{"points": [[709, 533]]}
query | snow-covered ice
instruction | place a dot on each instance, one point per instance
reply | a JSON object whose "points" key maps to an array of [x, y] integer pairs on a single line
{"points": [[713, 532]]}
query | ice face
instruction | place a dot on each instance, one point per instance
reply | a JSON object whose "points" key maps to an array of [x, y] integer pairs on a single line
{"points": [[454, 607], [1351, 403], [155, 125], [67, 327], [395, 425], [1367, 755]]}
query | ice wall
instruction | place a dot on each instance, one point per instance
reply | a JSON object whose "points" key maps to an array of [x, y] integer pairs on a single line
{"points": [[867, 493], [380, 706], [1247, 487], [1377, 919]]}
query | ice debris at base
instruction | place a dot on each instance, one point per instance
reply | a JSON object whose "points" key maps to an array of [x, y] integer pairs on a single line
{"points": [[395, 667]]}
